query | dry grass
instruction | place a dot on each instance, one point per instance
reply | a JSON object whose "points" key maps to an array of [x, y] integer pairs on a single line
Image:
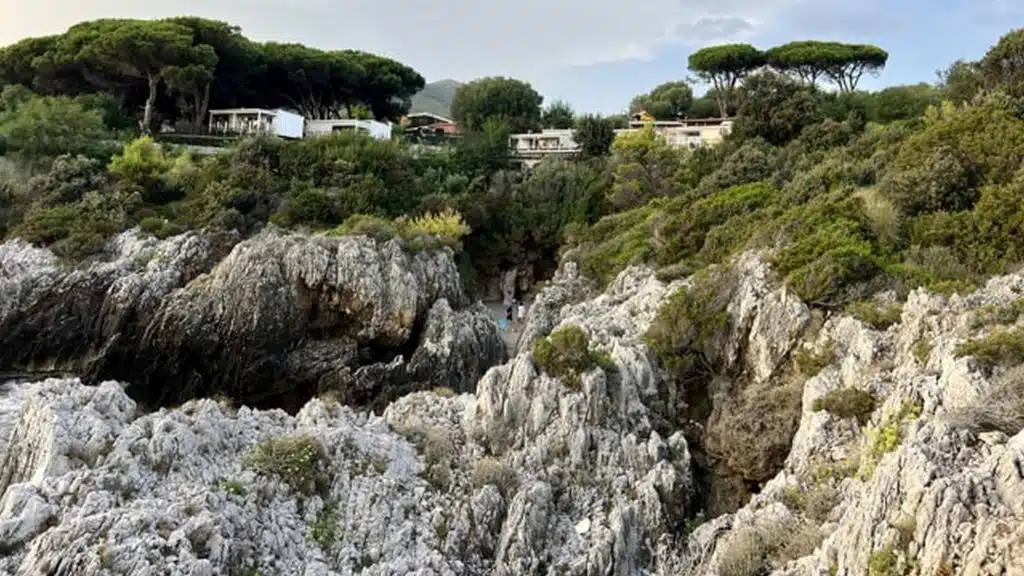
{"points": [[754, 551], [494, 472], [1000, 408], [884, 217]]}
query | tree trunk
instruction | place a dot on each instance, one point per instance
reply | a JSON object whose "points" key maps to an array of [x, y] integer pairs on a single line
{"points": [[147, 114], [202, 107]]}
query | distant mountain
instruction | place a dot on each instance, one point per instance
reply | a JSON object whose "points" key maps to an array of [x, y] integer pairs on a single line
{"points": [[436, 98]]}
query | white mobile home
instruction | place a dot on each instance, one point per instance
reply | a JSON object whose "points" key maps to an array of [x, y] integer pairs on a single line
{"points": [[257, 121], [378, 130]]}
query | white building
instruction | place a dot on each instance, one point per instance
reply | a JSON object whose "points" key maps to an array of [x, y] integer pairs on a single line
{"points": [[378, 130], [251, 121], [533, 147], [685, 133]]}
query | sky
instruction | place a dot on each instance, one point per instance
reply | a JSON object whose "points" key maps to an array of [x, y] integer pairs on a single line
{"points": [[594, 54]]}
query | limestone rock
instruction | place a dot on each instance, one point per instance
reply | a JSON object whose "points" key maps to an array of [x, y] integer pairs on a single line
{"points": [[524, 476], [273, 319], [913, 489]]}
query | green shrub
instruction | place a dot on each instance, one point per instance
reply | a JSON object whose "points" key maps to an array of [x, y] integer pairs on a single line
{"points": [[144, 165], [847, 403], [923, 350], [324, 529], [878, 316], [296, 460], [1006, 314], [811, 363], [366, 225], [565, 354], [946, 181], [233, 487], [160, 227], [689, 330], [1001, 347], [446, 229]]}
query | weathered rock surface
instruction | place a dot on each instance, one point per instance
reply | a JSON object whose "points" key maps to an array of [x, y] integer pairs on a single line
{"points": [[915, 490], [529, 476], [272, 319], [526, 476]]}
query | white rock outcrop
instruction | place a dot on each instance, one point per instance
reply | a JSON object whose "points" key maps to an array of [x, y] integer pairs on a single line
{"points": [[530, 476], [526, 476], [913, 490]]}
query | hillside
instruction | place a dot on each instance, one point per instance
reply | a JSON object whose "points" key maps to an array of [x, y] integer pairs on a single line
{"points": [[436, 98]]}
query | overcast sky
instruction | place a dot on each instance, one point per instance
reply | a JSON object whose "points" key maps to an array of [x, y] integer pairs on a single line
{"points": [[596, 54]]}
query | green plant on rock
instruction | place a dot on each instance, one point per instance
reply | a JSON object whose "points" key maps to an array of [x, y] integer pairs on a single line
{"points": [[691, 325], [296, 460], [324, 529], [233, 487], [923, 349], [1001, 347], [847, 403], [565, 354], [886, 438], [811, 363], [1005, 314], [884, 562], [878, 316]]}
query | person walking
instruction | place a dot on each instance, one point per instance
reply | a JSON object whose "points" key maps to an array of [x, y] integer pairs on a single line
{"points": [[521, 312], [508, 311]]}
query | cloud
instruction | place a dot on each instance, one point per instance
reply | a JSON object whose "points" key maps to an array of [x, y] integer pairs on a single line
{"points": [[450, 38]]}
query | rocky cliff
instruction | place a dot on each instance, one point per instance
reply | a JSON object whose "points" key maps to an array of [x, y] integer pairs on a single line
{"points": [[834, 448], [271, 320]]}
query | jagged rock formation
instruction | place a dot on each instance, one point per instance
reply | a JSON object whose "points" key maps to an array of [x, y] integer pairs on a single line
{"points": [[526, 476], [531, 476], [270, 320], [925, 486]]}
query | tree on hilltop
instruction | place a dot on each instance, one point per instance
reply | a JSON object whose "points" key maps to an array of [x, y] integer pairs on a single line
{"points": [[1003, 64], [133, 50], [667, 101], [845, 64], [497, 97], [559, 115], [724, 66], [594, 134], [803, 59]]}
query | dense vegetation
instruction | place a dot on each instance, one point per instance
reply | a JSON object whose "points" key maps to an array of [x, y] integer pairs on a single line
{"points": [[177, 69], [854, 191]]}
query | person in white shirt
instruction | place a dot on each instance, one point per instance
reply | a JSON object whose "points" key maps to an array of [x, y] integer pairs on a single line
{"points": [[521, 312]]}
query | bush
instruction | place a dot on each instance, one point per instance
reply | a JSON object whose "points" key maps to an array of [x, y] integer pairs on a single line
{"points": [[144, 165], [445, 229], [1001, 347], [494, 472], [878, 316], [565, 354], [999, 408], [758, 550], [689, 331], [296, 460], [811, 363], [48, 126], [160, 227], [847, 403], [946, 181], [366, 225]]}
